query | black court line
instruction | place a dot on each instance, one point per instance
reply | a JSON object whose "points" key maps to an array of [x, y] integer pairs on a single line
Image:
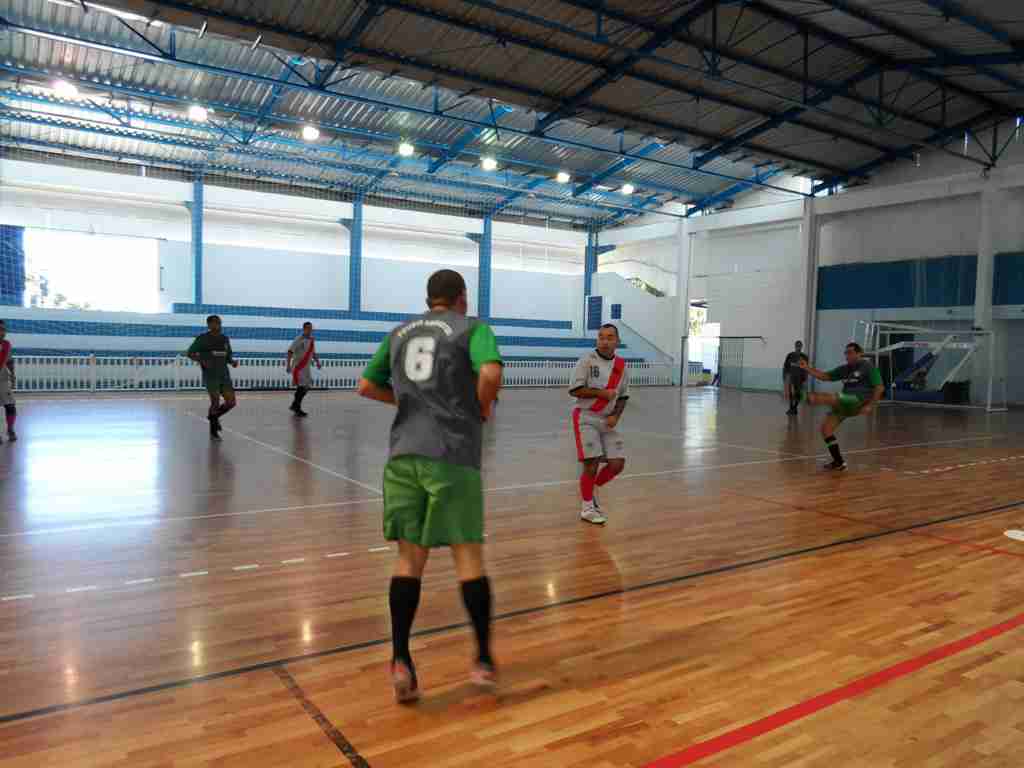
{"points": [[276, 663], [330, 729]]}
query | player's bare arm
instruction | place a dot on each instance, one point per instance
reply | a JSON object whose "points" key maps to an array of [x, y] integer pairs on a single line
{"points": [[373, 391], [488, 384], [616, 414], [816, 373], [876, 395], [585, 393]]}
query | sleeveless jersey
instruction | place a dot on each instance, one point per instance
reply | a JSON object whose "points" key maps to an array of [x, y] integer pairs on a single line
{"points": [[434, 381]]}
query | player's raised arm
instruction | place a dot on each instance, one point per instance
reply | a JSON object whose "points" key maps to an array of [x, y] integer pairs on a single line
{"points": [[376, 381], [816, 373]]}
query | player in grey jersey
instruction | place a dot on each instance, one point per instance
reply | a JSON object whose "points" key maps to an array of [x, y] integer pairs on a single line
{"points": [[601, 388], [443, 372]]}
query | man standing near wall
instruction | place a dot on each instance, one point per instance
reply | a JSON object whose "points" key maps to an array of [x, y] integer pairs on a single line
{"points": [[302, 350], [212, 350], [7, 383], [794, 377], [862, 389], [601, 388], [443, 371]]}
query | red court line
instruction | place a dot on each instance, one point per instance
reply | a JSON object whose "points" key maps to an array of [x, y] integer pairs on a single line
{"points": [[811, 706]]}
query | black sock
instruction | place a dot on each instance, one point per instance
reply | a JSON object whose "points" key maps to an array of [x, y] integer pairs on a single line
{"points": [[833, 448], [476, 594], [224, 408], [300, 395], [404, 598]]}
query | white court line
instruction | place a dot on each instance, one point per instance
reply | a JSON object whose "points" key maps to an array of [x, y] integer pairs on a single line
{"points": [[159, 520], [293, 561], [193, 574], [760, 462], [136, 582], [283, 452], [12, 598], [73, 590], [498, 489], [710, 446], [249, 567], [379, 549], [338, 554]]}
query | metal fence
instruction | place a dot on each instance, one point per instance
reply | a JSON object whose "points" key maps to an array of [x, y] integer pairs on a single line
{"points": [[60, 373]]}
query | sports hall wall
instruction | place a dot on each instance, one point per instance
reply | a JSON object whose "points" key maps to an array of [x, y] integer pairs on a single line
{"points": [[906, 250], [271, 261]]}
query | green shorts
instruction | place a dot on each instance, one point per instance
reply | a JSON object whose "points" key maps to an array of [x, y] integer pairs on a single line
{"points": [[218, 386], [432, 503], [847, 407]]}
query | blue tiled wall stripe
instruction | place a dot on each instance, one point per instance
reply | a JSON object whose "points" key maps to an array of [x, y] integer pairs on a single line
{"points": [[30, 351], [946, 282], [616, 311], [184, 332], [343, 314]]}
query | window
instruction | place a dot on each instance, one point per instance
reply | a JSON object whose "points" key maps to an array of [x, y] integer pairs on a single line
{"points": [[76, 270]]}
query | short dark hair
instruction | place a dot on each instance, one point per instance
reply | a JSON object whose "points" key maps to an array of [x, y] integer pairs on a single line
{"points": [[211, 318], [307, 323], [799, 343], [855, 347], [610, 325], [445, 287]]}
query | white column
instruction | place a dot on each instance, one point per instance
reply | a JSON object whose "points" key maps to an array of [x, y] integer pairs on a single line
{"points": [[683, 298], [988, 209], [809, 272]]}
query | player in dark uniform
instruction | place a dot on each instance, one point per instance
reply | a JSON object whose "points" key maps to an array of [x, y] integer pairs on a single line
{"points": [[862, 389], [794, 377], [7, 383], [443, 371], [212, 350]]}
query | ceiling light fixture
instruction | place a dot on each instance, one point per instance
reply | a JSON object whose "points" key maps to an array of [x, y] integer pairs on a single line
{"points": [[405, 149], [310, 132], [488, 163], [563, 177]]}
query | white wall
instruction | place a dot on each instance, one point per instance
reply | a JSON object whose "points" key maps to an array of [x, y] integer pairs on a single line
{"points": [[175, 280], [656, 262], [651, 317], [753, 277], [537, 297], [922, 230]]}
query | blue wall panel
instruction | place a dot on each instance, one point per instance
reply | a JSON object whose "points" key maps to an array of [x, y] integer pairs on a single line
{"points": [[595, 306], [1009, 279], [943, 282]]}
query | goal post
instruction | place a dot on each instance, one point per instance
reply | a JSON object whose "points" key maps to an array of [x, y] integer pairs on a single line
{"points": [[936, 366]]}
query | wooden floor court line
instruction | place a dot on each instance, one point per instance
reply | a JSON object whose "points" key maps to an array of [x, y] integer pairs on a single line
{"points": [[809, 707], [283, 452], [331, 731], [365, 644], [498, 489]]}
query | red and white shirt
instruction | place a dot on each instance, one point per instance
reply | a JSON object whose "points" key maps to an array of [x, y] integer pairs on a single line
{"points": [[596, 372]]}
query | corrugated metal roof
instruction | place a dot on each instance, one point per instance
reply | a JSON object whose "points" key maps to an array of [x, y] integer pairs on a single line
{"points": [[419, 72]]}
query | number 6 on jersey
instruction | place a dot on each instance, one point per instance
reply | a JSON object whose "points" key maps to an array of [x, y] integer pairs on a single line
{"points": [[419, 358]]}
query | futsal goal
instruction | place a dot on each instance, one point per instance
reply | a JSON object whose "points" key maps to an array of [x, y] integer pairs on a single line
{"points": [[936, 366]]}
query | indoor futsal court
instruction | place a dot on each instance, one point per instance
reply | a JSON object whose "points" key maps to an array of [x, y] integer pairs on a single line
{"points": [[221, 602], [502, 384]]}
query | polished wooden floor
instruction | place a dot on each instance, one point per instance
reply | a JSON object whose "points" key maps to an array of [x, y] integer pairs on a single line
{"points": [[166, 601]]}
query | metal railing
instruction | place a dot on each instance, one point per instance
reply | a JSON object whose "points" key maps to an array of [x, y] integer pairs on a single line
{"points": [[60, 373]]}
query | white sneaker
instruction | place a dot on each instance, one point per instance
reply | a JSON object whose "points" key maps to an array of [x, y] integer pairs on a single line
{"points": [[591, 514]]}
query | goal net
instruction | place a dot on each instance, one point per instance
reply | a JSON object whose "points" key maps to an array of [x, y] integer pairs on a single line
{"points": [[936, 366]]}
